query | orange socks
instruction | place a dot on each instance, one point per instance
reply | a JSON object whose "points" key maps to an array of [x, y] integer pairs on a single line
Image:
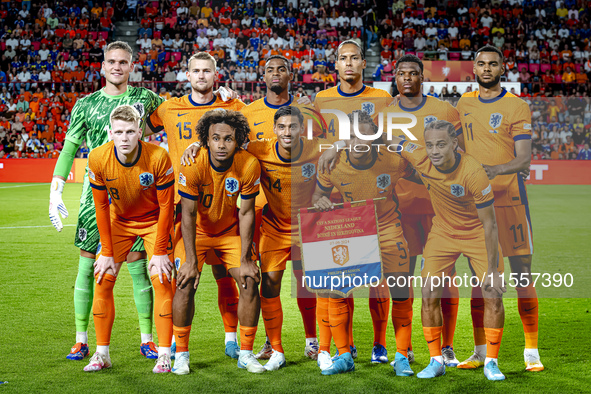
{"points": [[449, 309], [181, 335], [247, 335], [493, 341], [228, 303], [433, 337], [351, 304], [379, 307], [402, 321], [103, 309], [323, 324], [527, 303], [339, 316], [307, 306], [273, 318], [162, 309], [477, 311]]}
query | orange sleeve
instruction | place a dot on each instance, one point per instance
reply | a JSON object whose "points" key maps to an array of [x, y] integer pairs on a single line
{"points": [[453, 117], [479, 186], [252, 180], [155, 121], [190, 178], [165, 194], [323, 181], [521, 124]]}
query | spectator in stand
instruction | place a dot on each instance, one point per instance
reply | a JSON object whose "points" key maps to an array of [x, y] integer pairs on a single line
{"points": [[585, 153]]}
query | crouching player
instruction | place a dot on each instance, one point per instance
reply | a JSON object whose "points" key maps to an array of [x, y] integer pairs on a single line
{"points": [[360, 174], [464, 223], [210, 222], [139, 178]]}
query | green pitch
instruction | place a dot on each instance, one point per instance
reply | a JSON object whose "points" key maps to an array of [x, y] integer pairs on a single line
{"points": [[37, 321]]}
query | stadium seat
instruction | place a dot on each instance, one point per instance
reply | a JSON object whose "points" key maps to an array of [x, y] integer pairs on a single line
{"points": [[545, 67], [157, 34], [105, 35], [410, 53], [36, 45], [177, 56], [93, 35], [533, 67], [521, 65], [307, 78], [86, 55], [454, 56], [420, 55], [558, 78], [167, 57], [578, 67]]}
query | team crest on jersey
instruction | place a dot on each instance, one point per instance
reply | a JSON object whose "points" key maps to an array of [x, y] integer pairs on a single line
{"points": [[82, 234], [495, 120], [457, 190], [146, 179], [308, 171], [383, 182], [429, 119], [368, 107], [232, 185], [340, 254], [140, 108]]}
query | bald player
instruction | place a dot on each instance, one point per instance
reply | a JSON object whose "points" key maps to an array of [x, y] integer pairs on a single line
{"points": [[178, 117], [138, 178], [464, 223], [415, 203], [497, 131]]}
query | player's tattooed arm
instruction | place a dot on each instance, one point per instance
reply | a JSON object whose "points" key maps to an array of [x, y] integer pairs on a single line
{"points": [[520, 163], [248, 267], [189, 271]]}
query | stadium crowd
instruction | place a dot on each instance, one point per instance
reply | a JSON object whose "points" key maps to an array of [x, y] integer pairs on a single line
{"points": [[52, 54]]}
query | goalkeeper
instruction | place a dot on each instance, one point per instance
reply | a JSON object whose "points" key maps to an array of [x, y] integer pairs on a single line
{"points": [[90, 123]]}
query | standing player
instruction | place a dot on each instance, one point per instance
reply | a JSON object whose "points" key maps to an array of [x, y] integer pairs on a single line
{"points": [[360, 175], [415, 204], [89, 123], [209, 192], [464, 223], [351, 95], [260, 115], [138, 179], [179, 117], [497, 130]]}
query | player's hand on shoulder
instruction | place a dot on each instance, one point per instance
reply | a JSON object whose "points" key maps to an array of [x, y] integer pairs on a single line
{"points": [[249, 269], [160, 265], [328, 160], [394, 101], [491, 171], [304, 100], [324, 204], [226, 94], [190, 153], [102, 265], [56, 203], [187, 272]]}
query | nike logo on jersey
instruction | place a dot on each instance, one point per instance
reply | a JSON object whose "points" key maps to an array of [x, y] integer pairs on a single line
{"points": [[179, 115], [345, 184], [426, 176], [256, 124], [467, 113], [112, 179], [401, 264], [517, 247]]}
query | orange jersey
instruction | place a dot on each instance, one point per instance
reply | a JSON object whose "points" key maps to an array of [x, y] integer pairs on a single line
{"points": [[217, 190], [374, 180], [490, 129], [179, 118], [456, 193], [369, 99], [260, 115], [414, 199], [288, 184], [140, 192]]}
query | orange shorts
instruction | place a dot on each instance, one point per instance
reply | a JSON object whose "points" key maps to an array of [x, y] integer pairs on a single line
{"points": [[277, 247], [442, 251], [416, 229], [276, 260], [515, 234], [394, 249], [125, 234], [225, 247], [259, 206], [178, 244]]}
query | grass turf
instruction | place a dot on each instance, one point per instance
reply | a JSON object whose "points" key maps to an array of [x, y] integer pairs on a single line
{"points": [[39, 268]]}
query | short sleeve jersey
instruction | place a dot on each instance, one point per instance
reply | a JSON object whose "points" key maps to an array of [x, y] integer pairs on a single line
{"points": [[455, 193], [414, 198], [490, 128], [216, 190], [369, 99], [374, 180], [179, 118], [90, 119], [288, 184], [132, 187]]}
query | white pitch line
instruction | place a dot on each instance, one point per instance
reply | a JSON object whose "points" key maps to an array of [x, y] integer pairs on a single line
{"points": [[10, 187], [6, 228]]}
